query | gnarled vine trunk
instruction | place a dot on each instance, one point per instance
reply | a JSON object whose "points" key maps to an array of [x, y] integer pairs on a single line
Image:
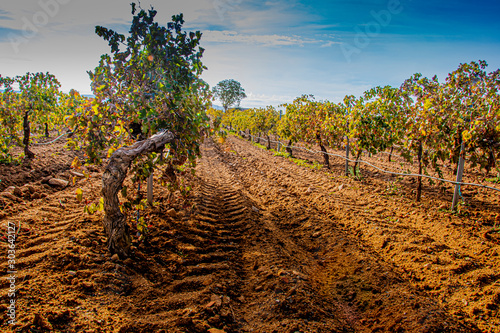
{"points": [[288, 149], [115, 226], [326, 157], [390, 154], [356, 163]]}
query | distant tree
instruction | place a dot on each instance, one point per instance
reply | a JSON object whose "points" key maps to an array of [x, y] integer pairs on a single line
{"points": [[229, 92]]}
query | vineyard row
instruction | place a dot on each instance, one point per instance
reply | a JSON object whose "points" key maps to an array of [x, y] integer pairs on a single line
{"points": [[430, 122]]}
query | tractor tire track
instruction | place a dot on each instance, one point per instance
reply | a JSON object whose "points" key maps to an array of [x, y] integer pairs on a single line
{"points": [[267, 285]]}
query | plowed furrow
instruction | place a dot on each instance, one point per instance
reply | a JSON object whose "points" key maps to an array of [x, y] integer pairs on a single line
{"points": [[298, 232], [213, 270]]}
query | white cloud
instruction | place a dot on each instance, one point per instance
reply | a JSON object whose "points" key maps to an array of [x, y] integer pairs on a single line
{"points": [[330, 43], [262, 100], [267, 40]]}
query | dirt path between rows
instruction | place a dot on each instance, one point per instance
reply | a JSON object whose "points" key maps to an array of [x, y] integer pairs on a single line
{"points": [[345, 270], [269, 246]]}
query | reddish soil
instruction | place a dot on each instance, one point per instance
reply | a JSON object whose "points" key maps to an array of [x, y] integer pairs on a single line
{"points": [[269, 246]]}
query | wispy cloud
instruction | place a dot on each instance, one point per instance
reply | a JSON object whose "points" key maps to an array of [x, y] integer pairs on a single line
{"points": [[330, 43], [262, 100], [6, 32], [266, 40], [256, 17], [5, 15]]}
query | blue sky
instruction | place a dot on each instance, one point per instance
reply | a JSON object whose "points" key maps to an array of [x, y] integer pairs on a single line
{"points": [[277, 49]]}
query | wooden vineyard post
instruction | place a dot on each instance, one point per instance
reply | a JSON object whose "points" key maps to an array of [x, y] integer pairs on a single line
{"points": [[150, 188], [278, 148], [26, 140], [419, 180], [347, 158], [460, 172]]}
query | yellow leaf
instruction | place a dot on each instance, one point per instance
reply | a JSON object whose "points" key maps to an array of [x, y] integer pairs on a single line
{"points": [[76, 164], [466, 135], [91, 209], [117, 130], [79, 194], [427, 104], [111, 151], [71, 121]]}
